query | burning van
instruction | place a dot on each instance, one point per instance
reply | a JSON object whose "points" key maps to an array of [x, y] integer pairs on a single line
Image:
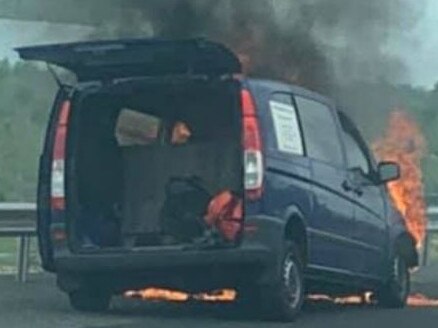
{"points": [[163, 166]]}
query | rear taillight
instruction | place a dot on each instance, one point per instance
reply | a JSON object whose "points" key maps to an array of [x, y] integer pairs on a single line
{"points": [[252, 144], [58, 160]]}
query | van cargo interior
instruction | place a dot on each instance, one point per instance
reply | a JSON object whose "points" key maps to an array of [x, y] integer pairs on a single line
{"points": [[149, 158]]}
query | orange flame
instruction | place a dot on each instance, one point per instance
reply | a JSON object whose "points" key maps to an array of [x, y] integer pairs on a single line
{"points": [[157, 294], [414, 300], [419, 300], [404, 143], [224, 295]]}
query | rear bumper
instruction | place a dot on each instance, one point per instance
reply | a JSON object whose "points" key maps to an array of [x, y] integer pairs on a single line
{"points": [[159, 259], [188, 269], [259, 246]]}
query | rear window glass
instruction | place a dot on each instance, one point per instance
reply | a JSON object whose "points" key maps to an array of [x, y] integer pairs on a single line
{"points": [[286, 126], [136, 128]]}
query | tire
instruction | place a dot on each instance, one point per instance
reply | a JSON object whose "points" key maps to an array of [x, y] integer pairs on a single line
{"points": [[395, 292], [283, 300], [89, 301]]}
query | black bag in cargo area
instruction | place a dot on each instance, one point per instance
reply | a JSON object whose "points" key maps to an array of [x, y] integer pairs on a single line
{"points": [[182, 215]]}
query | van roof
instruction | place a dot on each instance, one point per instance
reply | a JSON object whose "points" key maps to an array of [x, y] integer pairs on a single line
{"points": [[276, 86]]}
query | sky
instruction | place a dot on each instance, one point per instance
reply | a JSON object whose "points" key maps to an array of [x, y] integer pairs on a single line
{"points": [[420, 54], [423, 59], [19, 33]]}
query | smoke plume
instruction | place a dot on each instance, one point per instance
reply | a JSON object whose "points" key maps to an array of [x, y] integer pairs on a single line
{"points": [[319, 44]]}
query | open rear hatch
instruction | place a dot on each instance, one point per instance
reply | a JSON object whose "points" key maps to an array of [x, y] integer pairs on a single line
{"points": [[137, 57], [155, 159], [158, 164]]}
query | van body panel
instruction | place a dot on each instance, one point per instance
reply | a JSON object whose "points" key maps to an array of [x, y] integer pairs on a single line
{"points": [[349, 233], [330, 215], [315, 187], [371, 231]]}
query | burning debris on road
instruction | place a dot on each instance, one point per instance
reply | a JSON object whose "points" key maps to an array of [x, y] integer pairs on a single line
{"points": [[420, 300], [157, 294], [229, 295]]}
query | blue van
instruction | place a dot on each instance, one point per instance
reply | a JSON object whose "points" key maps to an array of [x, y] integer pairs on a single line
{"points": [[163, 166]]}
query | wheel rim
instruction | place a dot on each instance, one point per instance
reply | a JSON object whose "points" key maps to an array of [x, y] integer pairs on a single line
{"points": [[293, 283], [401, 277]]}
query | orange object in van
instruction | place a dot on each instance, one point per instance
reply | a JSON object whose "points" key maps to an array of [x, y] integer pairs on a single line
{"points": [[225, 213]]}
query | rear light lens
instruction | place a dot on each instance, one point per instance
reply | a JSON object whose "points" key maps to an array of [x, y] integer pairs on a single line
{"points": [[252, 143], [58, 178], [58, 161], [248, 106], [253, 169]]}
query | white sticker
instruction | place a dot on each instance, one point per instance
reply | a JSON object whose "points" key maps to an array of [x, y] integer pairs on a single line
{"points": [[287, 128]]}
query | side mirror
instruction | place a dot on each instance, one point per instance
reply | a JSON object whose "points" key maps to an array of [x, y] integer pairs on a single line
{"points": [[388, 171]]}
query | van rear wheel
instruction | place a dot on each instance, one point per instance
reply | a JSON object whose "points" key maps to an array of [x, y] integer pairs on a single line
{"points": [[89, 301], [283, 300]]}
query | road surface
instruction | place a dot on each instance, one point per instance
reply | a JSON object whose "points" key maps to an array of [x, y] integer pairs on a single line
{"points": [[38, 304]]}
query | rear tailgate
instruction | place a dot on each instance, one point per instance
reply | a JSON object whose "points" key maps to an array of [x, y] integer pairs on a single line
{"points": [[137, 57]]}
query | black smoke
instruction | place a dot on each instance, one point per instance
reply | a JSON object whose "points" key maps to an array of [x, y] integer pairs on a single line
{"points": [[319, 44]]}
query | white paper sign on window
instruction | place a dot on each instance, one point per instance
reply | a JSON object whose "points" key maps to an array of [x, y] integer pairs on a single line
{"points": [[287, 129]]}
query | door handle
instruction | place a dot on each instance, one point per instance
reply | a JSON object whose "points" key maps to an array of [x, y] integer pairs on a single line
{"points": [[346, 185], [358, 191]]}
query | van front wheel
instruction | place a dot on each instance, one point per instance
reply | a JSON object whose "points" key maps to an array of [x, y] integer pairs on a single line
{"points": [[89, 301], [395, 292]]}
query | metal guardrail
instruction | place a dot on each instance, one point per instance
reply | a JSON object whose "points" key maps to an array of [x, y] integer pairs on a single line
{"points": [[432, 228], [19, 220]]}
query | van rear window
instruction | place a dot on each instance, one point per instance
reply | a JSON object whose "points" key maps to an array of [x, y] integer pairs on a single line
{"points": [[136, 128], [287, 128]]}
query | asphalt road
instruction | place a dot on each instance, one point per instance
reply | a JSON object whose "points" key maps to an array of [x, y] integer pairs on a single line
{"points": [[38, 304]]}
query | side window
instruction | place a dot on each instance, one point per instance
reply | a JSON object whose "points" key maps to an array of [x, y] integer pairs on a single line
{"points": [[354, 146], [320, 131], [286, 126], [356, 158], [136, 128]]}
